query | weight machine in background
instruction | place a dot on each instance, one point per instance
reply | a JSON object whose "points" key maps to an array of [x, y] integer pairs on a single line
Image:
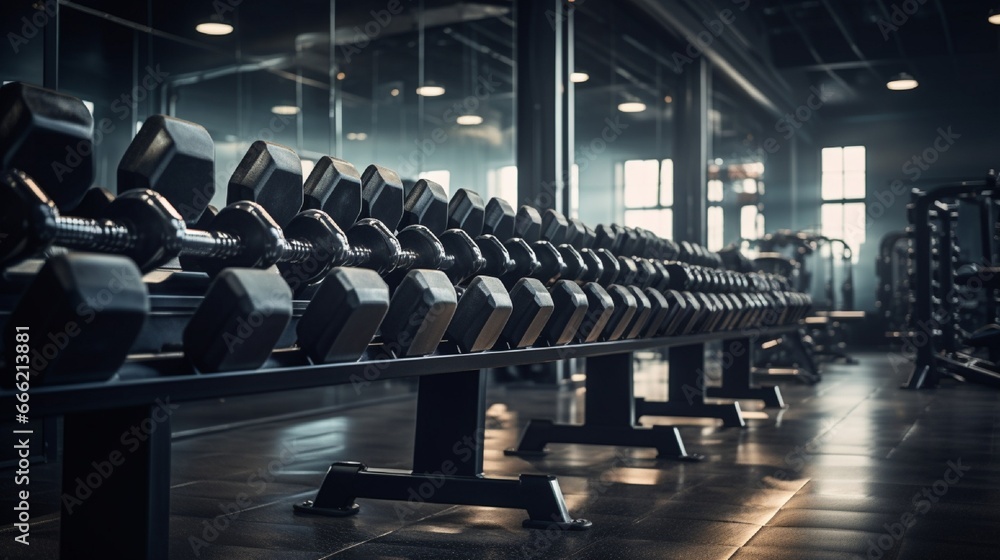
{"points": [[952, 328]]}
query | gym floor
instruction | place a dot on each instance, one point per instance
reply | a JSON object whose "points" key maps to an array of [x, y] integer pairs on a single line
{"points": [[854, 468]]}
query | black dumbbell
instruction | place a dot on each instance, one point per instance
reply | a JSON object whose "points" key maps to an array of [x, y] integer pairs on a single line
{"points": [[80, 316], [48, 135], [424, 302], [142, 225], [173, 157], [484, 306], [538, 258], [512, 261], [426, 210], [601, 266], [642, 274]]}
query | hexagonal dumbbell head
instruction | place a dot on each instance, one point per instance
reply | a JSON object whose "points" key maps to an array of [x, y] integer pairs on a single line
{"points": [[69, 303], [467, 212], [533, 306], [554, 227], [426, 204], [206, 217], [157, 223], [26, 214], [419, 313], [496, 256], [246, 220], [600, 306], [630, 241], [94, 204], [625, 307], [334, 186], [482, 313], [604, 237], [382, 245], [642, 313], [570, 311], [239, 321], [382, 195], [270, 175], [644, 245], [499, 219], [343, 315], [468, 256], [329, 246], [576, 234], [528, 224], [49, 136], [659, 313], [175, 158]]}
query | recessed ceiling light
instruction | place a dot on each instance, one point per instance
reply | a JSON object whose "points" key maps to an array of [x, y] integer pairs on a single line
{"points": [[668, 99], [632, 107], [394, 92], [341, 75], [214, 28], [469, 120], [357, 136], [902, 82], [285, 110], [579, 77], [994, 16], [430, 91]]}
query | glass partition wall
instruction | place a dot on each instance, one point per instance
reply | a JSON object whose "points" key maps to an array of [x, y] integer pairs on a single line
{"points": [[625, 79], [424, 87], [737, 169]]}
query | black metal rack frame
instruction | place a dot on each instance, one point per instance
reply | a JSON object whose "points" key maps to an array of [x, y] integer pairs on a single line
{"points": [[129, 516], [940, 327]]}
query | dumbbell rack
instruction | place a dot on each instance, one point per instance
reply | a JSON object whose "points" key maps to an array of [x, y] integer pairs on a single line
{"points": [[932, 281], [129, 516]]}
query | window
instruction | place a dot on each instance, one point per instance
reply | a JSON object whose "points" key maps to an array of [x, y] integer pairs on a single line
{"points": [[716, 238], [715, 219], [307, 166], [842, 215], [649, 195], [441, 177], [502, 183], [751, 222]]}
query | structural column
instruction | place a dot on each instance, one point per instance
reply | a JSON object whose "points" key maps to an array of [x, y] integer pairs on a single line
{"points": [[543, 161], [691, 153]]}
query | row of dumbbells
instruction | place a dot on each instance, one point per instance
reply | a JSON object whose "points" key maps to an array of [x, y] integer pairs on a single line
{"points": [[545, 284]]}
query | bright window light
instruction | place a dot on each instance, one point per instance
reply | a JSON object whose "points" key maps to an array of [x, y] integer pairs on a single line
{"points": [[307, 167], [667, 182], [843, 189], [439, 176], [748, 222], [715, 227], [641, 182], [715, 191], [502, 183], [659, 221]]}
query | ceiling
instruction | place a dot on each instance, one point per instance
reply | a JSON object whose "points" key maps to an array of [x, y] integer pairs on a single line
{"points": [[851, 48]]}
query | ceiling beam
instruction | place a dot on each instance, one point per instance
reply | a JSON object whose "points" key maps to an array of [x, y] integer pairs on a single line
{"points": [[815, 54], [981, 58], [757, 78], [848, 37]]}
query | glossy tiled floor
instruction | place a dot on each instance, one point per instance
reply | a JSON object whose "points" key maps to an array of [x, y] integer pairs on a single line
{"points": [[854, 468]]}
